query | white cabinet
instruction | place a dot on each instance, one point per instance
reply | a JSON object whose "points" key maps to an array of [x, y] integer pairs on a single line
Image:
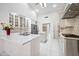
{"points": [[25, 50], [1, 41], [14, 49], [31, 48], [1, 46], [22, 46], [35, 47], [20, 23]]}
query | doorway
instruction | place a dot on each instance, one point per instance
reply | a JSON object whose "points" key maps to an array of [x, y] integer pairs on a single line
{"points": [[46, 31]]}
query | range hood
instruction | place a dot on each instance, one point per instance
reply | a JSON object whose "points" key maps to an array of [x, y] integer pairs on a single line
{"points": [[71, 11]]}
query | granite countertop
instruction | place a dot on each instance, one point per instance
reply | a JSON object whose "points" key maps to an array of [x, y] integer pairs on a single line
{"points": [[70, 36], [20, 39]]}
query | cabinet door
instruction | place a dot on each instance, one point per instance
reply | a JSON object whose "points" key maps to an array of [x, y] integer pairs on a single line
{"points": [[35, 47], [11, 19], [1, 45], [24, 50], [22, 22], [15, 49], [16, 21]]}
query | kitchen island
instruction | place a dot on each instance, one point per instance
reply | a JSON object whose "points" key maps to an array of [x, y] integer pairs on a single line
{"points": [[71, 44], [19, 45]]}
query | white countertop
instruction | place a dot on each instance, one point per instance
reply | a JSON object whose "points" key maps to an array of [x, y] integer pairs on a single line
{"points": [[20, 39]]}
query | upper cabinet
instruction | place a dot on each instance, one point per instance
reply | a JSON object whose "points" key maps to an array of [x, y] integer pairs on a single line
{"points": [[71, 11], [20, 23]]}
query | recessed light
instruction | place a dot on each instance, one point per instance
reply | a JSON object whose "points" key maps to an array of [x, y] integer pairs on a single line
{"points": [[37, 10], [33, 12], [54, 5], [69, 10]]}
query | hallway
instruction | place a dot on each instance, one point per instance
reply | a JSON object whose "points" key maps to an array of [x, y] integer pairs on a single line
{"points": [[55, 46]]}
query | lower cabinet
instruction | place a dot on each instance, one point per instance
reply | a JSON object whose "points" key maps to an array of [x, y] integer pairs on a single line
{"points": [[31, 48], [1, 46], [9, 48], [71, 47], [35, 47], [14, 49]]}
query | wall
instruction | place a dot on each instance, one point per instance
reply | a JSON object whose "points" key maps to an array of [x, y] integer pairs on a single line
{"points": [[19, 8]]}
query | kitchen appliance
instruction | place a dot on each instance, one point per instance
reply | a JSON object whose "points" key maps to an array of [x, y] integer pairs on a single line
{"points": [[34, 29]]}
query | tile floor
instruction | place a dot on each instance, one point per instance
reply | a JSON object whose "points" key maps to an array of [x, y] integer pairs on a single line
{"points": [[53, 47]]}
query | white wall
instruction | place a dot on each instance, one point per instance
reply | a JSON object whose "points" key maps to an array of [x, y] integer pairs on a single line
{"points": [[19, 8]]}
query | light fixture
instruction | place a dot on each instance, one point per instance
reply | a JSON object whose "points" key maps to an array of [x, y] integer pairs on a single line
{"points": [[54, 5], [69, 10], [43, 5]]}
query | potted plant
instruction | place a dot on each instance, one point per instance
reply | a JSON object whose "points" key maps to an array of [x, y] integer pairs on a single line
{"points": [[7, 28]]}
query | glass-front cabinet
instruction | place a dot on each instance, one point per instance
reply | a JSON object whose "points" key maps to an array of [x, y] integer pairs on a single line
{"points": [[20, 23], [16, 21], [11, 17]]}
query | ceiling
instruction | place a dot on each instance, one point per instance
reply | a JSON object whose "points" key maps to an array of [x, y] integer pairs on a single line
{"points": [[51, 8]]}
